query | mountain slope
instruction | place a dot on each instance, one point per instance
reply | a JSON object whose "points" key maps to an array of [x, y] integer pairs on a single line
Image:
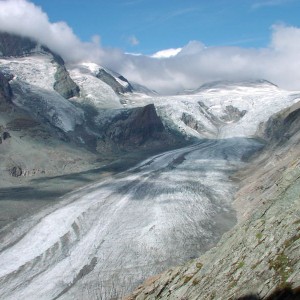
{"points": [[42, 86], [58, 119], [260, 255], [50, 125], [224, 111]]}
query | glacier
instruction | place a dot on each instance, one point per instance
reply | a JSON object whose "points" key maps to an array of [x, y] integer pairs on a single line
{"points": [[104, 239], [101, 241]]}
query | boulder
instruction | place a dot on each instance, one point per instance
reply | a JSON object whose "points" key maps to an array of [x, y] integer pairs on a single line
{"points": [[6, 135]]}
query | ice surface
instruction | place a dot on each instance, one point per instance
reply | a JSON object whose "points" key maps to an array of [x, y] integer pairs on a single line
{"points": [[259, 101], [103, 240], [92, 90], [37, 70], [33, 90]]}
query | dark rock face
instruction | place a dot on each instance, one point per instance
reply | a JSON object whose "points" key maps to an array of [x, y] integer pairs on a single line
{"points": [[113, 83], [13, 45], [280, 127], [64, 84], [190, 121], [140, 125], [5, 90], [6, 135], [16, 171], [135, 128], [233, 114], [18, 46]]}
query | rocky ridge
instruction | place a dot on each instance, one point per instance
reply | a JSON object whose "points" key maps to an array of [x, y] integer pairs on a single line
{"points": [[260, 255], [42, 86], [115, 84]]}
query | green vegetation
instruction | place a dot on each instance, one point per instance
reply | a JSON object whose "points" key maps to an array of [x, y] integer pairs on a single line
{"points": [[240, 265], [282, 266], [259, 235]]}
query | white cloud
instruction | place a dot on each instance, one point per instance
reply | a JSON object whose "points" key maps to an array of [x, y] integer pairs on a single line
{"points": [[25, 18], [166, 53], [133, 41], [192, 66], [196, 64]]}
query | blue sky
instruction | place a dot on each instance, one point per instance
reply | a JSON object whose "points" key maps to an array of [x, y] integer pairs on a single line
{"points": [[217, 39], [147, 26]]}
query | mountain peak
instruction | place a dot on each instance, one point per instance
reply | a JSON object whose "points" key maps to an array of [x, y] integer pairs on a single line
{"points": [[228, 84], [18, 46]]}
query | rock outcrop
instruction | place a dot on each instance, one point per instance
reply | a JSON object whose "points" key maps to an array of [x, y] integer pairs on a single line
{"points": [[17, 46], [133, 129], [14, 45], [64, 84], [232, 114], [5, 90], [113, 83], [260, 255], [282, 126]]}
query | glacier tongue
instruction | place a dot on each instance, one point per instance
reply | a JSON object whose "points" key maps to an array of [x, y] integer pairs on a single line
{"points": [[103, 240]]}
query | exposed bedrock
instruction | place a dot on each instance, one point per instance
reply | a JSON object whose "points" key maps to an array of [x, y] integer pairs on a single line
{"points": [[135, 128]]}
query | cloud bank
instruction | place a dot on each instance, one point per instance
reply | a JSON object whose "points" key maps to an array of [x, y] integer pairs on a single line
{"points": [[167, 71], [166, 53]]}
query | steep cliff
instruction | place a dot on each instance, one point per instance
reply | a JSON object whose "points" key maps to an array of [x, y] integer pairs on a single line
{"points": [[5, 90], [134, 128]]}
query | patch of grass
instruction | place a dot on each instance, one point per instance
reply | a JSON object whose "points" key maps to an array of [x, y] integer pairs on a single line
{"points": [[259, 235], [240, 265], [281, 265]]}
